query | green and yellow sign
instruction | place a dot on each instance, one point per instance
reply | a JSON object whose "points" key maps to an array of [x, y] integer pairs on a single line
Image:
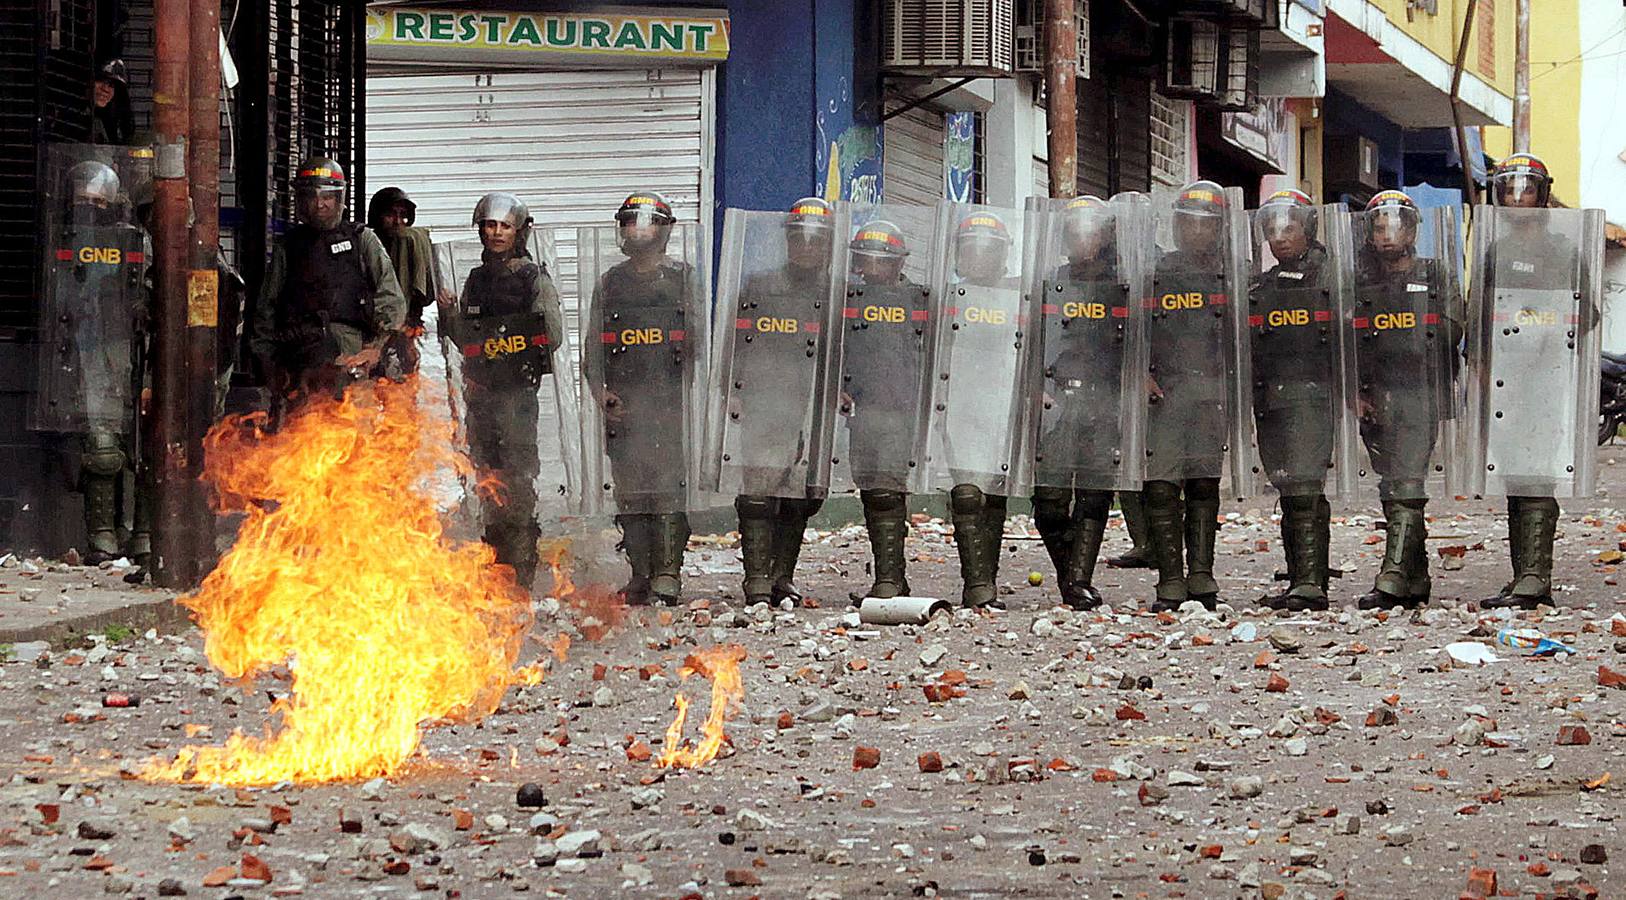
{"points": [[404, 33]]}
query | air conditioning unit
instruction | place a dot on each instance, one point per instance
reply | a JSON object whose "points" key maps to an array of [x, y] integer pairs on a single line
{"points": [[1262, 13], [1350, 164], [947, 38], [1211, 62], [1029, 34]]}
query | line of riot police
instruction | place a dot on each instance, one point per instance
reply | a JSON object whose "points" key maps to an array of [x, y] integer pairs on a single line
{"points": [[1172, 348]]}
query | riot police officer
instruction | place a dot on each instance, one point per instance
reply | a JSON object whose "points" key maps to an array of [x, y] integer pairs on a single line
{"points": [[330, 302], [1527, 255], [1084, 310], [1188, 417], [509, 324], [1294, 341], [1408, 322], [980, 406], [642, 389], [881, 384], [97, 303], [780, 369]]}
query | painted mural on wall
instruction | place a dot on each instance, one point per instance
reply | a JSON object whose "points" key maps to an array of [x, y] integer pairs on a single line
{"points": [[960, 157], [847, 166]]}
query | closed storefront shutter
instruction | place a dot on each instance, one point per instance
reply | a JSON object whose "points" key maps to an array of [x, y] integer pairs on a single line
{"points": [[912, 157]]}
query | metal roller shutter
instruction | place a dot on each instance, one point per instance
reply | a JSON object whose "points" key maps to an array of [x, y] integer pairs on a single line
{"points": [[912, 157], [571, 144]]}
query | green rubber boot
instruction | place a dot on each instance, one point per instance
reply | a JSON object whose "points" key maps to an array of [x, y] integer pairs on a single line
{"points": [[886, 518], [1165, 539]]}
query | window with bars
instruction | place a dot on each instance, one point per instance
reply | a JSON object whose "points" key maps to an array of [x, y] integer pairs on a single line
{"points": [[1168, 139]]}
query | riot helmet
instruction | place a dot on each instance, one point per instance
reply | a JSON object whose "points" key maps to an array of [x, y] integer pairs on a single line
{"points": [[1287, 222], [1088, 226], [982, 244], [1199, 211], [1391, 224], [391, 210], [1521, 180], [93, 193], [505, 224], [809, 232], [320, 190], [644, 223], [878, 252]]}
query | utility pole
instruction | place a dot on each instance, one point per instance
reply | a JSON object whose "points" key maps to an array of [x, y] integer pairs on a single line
{"points": [[1061, 95], [203, 284], [1521, 78], [1470, 190], [169, 457]]}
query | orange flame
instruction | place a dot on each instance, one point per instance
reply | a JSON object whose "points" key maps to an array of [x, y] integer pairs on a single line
{"points": [[598, 608], [722, 666], [341, 571]]}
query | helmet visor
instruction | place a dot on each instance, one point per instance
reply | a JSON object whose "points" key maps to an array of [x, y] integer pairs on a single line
{"points": [[1280, 221], [1518, 189]]}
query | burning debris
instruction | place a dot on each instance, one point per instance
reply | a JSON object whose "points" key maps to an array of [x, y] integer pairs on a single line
{"points": [[721, 665], [341, 571]]}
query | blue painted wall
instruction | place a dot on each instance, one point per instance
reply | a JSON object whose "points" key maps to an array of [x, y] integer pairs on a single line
{"points": [[1345, 116]]}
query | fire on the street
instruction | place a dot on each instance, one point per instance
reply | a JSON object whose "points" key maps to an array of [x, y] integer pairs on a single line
{"points": [[721, 665], [342, 573]]}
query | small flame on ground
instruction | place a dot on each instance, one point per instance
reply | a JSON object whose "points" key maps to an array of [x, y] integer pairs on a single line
{"points": [[599, 609], [342, 572], [722, 666]]}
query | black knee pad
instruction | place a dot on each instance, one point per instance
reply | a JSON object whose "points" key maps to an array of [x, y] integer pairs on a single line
{"points": [[753, 507], [1160, 493], [880, 501], [1304, 504], [1199, 490], [805, 508], [966, 499], [1092, 504], [1051, 503]]}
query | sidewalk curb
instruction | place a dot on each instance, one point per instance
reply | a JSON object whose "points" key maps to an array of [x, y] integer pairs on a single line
{"points": [[160, 613]]}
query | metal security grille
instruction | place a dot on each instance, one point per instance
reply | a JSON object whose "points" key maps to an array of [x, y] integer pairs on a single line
{"points": [[1168, 139], [47, 52]]}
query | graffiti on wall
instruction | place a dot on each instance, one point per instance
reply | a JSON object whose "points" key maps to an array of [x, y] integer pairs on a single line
{"points": [[960, 157], [847, 166]]}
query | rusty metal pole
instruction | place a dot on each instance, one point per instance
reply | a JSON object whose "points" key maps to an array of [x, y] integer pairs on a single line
{"points": [[1521, 79], [1061, 95], [1470, 190], [171, 534], [203, 284]]}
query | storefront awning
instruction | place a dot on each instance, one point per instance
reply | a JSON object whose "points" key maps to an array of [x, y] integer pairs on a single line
{"points": [[1396, 76]]}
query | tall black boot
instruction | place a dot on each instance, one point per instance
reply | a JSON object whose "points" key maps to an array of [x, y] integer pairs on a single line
{"points": [[1515, 549], [1306, 555], [671, 539], [757, 546], [1077, 590], [886, 518], [1537, 519], [1397, 581], [1202, 528], [789, 526], [101, 517], [1165, 539], [1133, 506], [638, 539], [966, 512], [1054, 520], [993, 536]]}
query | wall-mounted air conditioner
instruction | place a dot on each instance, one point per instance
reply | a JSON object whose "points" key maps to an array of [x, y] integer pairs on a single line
{"points": [[947, 38]]}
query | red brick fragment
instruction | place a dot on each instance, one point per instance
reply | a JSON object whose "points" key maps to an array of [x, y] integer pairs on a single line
{"points": [[866, 757], [1573, 736], [931, 761]]}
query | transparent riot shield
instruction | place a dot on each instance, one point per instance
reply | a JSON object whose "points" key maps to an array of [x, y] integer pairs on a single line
{"points": [[507, 384], [1405, 325], [772, 391], [882, 390], [1533, 341], [1199, 404], [979, 355], [644, 344], [1303, 433], [94, 305], [1086, 280]]}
